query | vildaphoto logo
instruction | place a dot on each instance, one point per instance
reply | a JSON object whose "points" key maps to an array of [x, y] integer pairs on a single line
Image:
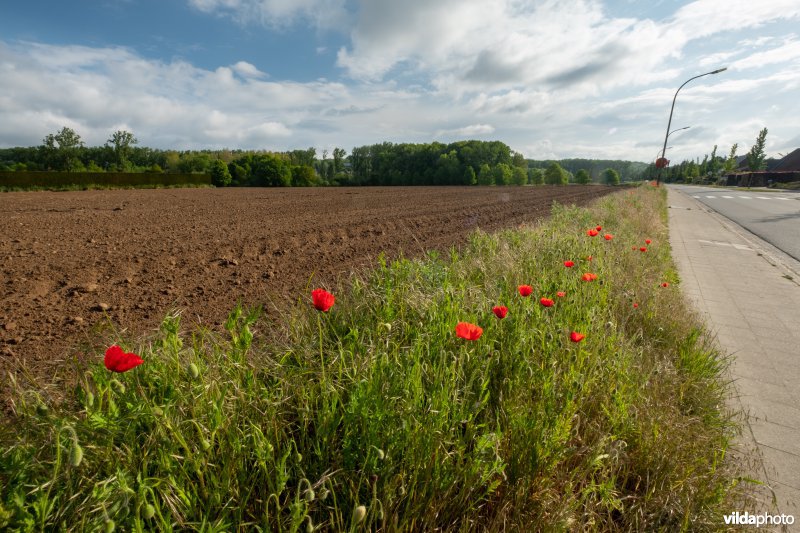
{"points": [[758, 520]]}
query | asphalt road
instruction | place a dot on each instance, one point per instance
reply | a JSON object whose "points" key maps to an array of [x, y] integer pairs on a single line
{"points": [[773, 216]]}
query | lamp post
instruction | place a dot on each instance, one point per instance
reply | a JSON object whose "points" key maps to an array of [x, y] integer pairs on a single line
{"points": [[669, 123]]}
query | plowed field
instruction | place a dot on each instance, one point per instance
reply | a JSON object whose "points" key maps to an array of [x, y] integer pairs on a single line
{"points": [[71, 260]]}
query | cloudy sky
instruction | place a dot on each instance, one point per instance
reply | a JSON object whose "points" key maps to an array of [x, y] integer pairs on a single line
{"points": [[552, 79]]}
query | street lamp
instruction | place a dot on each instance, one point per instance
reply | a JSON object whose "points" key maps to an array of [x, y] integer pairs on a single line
{"points": [[679, 129], [669, 123]]}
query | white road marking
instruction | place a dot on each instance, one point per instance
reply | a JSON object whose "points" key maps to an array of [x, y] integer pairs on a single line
{"points": [[710, 196], [779, 198], [746, 197], [718, 243], [727, 196], [763, 197], [693, 196]]}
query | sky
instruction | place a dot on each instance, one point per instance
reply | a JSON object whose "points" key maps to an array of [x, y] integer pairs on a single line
{"points": [[552, 79]]}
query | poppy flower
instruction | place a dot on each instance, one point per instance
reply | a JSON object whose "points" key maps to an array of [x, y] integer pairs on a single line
{"points": [[589, 276], [589, 258], [592, 233], [665, 284], [635, 305], [647, 241], [561, 294], [547, 302], [642, 249], [117, 360], [569, 264], [500, 311], [576, 337], [468, 331], [608, 236], [525, 290], [322, 299], [599, 228]]}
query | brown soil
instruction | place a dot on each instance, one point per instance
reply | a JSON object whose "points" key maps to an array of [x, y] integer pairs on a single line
{"points": [[71, 260]]}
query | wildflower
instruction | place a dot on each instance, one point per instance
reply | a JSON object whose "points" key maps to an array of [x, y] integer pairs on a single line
{"points": [[359, 514], [647, 241], [576, 337], [589, 276], [117, 360], [635, 305], [642, 249], [468, 331], [547, 302], [592, 233], [569, 264], [322, 299], [561, 294], [589, 258], [599, 228], [525, 290], [665, 284], [500, 311], [608, 236]]}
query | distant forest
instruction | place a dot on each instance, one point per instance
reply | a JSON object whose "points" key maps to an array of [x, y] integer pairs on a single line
{"points": [[460, 163]]}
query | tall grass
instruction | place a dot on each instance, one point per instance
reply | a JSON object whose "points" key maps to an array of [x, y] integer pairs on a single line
{"points": [[376, 416]]}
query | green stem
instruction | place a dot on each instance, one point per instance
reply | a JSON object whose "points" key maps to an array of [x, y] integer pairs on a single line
{"points": [[321, 356]]}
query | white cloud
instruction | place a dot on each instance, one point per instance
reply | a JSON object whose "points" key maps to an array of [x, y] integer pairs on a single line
{"points": [[247, 70], [473, 130]]}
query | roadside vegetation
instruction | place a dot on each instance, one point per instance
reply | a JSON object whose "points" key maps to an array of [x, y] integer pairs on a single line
{"points": [[401, 400]]}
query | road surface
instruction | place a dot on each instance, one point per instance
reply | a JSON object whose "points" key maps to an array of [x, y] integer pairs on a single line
{"points": [[773, 216]]}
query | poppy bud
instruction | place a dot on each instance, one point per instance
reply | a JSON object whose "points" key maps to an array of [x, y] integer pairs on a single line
{"points": [[309, 525], [42, 409], [75, 454], [359, 514], [269, 448], [323, 494], [381, 455], [118, 386], [205, 444], [157, 411], [149, 512], [110, 526], [193, 371], [89, 398], [310, 495], [298, 457]]}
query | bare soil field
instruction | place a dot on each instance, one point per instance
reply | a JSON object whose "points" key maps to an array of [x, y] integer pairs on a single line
{"points": [[72, 260]]}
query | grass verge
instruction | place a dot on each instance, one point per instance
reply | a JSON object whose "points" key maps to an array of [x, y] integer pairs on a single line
{"points": [[375, 415]]}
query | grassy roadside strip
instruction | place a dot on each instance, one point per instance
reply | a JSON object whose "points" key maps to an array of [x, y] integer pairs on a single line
{"points": [[375, 415]]}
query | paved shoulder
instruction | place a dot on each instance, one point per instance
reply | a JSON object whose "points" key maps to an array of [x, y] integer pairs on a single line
{"points": [[752, 302]]}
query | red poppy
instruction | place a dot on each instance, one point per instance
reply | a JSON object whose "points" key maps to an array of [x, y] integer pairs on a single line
{"points": [[576, 337], [599, 228], [642, 249], [468, 331], [589, 276], [561, 294], [608, 236], [635, 305], [322, 299], [647, 241], [569, 264], [665, 284], [589, 258], [592, 233], [500, 311], [547, 302], [117, 360], [525, 290]]}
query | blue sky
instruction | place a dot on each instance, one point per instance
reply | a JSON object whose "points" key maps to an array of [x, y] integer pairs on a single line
{"points": [[552, 79]]}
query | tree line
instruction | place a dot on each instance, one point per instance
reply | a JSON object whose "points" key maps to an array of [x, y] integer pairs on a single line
{"points": [[469, 162]]}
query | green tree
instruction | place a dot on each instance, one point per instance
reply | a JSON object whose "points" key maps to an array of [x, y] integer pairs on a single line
{"points": [[610, 177], [582, 177], [60, 150], [469, 176], [220, 175], [519, 176], [338, 160], [121, 142], [730, 163], [555, 175], [303, 176], [535, 176], [502, 174], [756, 156], [485, 175]]}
